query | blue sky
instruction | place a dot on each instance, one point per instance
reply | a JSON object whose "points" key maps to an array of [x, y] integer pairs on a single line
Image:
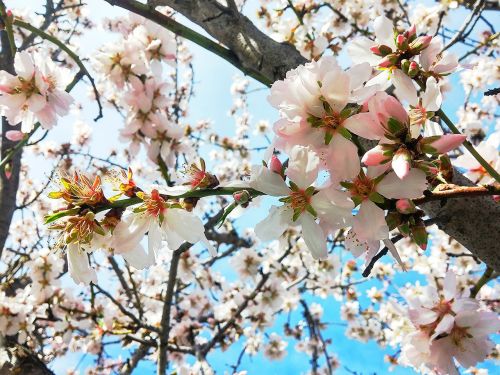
{"points": [[212, 100]]}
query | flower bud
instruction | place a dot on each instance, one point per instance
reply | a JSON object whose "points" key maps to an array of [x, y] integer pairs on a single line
{"points": [[376, 156], [381, 50], [401, 42], [411, 33], [419, 44], [413, 69], [401, 162], [406, 206], [241, 197], [14, 135], [389, 60], [8, 170], [405, 65], [448, 142], [275, 165]]}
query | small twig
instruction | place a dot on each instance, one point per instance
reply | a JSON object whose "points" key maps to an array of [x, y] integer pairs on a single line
{"points": [[460, 34], [488, 275]]}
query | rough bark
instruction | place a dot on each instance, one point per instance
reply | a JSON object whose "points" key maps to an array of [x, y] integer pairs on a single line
{"points": [[474, 222], [254, 49], [8, 185]]}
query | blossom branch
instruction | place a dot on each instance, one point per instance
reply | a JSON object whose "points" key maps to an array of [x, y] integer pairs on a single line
{"points": [[447, 191], [185, 32]]}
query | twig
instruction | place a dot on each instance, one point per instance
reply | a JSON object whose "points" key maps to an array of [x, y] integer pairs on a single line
{"points": [[489, 274], [460, 34], [167, 305]]}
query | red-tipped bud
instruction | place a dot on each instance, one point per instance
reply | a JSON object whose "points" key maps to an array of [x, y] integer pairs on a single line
{"points": [[448, 142], [381, 50], [376, 156], [411, 33], [275, 165], [413, 69], [420, 43], [401, 42], [441, 144], [389, 61], [241, 197], [9, 14], [406, 206], [8, 170]]}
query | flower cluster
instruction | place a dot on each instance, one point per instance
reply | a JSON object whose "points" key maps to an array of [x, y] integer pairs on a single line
{"points": [[35, 94], [448, 326], [326, 112], [135, 68], [84, 229]]}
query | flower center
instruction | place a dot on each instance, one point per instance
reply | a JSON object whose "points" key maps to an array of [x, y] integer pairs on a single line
{"points": [[299, 200], [418, 115], [155, 204], [362, 187], [331, 122]]}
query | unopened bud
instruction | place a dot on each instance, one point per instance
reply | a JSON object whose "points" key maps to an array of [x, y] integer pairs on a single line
{"points": [[411, 33], [420, 43], [388, 61], [406, 206], [401, 42], [241, 197], [405, 65], [8, 170], [413, 69], [14, 135], [381, 50], [401, 162], [275, 165]]}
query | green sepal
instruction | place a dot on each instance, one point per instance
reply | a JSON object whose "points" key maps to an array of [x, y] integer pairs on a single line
{"points": [[376, 197], [328, 137], [345, 133]]}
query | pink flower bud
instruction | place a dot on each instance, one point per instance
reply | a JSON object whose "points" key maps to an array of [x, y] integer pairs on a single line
{"points": [[401, 42], [413, 69], [419, 44], [14, 135], [375, 156], [412, 31], [401, 163], [276, 165], [9, 13], [376, 50], [448, 142], [405, 206], [388, 61], [241, 197]]}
